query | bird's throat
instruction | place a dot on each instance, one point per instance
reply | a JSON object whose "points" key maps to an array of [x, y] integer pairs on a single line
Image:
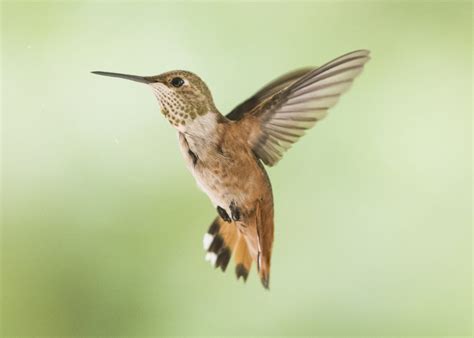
{"points": [[202, 129]]}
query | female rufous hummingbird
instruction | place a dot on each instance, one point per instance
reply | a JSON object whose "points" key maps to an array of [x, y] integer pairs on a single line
{"points": [[225, 153]]}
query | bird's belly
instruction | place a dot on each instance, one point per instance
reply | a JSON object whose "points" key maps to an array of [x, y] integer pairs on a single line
{"points": [[214, 186], [235, 182], [226, 178]]}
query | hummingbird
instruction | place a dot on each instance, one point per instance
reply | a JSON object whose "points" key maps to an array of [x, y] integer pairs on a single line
{"points": [[226, 154]]}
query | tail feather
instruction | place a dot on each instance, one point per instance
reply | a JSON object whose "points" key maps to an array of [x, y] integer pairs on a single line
{"points": [[242, 258], [249, 239], [219, 241], [264, 227]]}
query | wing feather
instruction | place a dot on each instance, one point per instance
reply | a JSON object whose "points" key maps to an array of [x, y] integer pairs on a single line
{"points": [[266, 92], [288, 112]]}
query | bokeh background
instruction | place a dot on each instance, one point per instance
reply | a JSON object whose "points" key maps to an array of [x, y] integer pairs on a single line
{"points": [[102, 224]]}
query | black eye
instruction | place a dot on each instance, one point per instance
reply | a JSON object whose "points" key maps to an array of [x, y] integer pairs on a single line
{"points": [[177, 82]]}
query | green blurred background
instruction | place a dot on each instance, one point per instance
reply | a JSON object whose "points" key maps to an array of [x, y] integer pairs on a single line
{"points": [[102, 224]]}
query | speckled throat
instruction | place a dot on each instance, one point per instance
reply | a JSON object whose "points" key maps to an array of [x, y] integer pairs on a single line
{"points": [[183, 105]]}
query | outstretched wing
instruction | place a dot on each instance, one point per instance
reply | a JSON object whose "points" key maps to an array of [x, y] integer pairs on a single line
{"points": [[286, 113], [266, 92]]}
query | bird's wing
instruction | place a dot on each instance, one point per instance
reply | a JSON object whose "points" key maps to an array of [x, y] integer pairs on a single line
{"points": [[266, 92], [284, 116]]}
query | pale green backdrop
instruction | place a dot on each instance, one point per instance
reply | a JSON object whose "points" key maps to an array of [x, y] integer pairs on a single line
{"points": [[102, 224]]}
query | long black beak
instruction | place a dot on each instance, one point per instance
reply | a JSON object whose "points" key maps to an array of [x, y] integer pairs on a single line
{"points": [[136, 78]]}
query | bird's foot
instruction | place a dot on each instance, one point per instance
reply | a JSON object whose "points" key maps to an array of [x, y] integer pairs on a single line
{"points": [[235, 211], [223, 214]]}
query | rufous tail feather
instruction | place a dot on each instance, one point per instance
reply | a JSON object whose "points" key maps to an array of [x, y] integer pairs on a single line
{"points": [[221, 241], [264, 225], [243, 260], [252, 243]]}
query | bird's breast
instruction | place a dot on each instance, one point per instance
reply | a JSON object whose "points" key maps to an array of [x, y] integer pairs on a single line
{"points": [[225, 173]]}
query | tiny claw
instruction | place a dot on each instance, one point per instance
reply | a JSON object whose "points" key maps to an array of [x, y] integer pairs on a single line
{"points": [[235, 211], [223, 214]]}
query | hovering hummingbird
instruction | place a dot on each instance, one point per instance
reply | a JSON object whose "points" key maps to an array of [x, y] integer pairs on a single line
{"points": [[225, 153]]}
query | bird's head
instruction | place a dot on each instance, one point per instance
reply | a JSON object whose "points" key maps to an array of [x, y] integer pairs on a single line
{"points": [[182, 95]]}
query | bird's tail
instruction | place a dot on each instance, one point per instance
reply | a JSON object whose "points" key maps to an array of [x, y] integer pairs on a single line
{"points": [[249, 239], [242, 258], [264, 228], [221, 241]]}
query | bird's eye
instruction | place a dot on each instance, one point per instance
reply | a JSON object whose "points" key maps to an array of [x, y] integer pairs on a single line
{"points": [[177, 82]]}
